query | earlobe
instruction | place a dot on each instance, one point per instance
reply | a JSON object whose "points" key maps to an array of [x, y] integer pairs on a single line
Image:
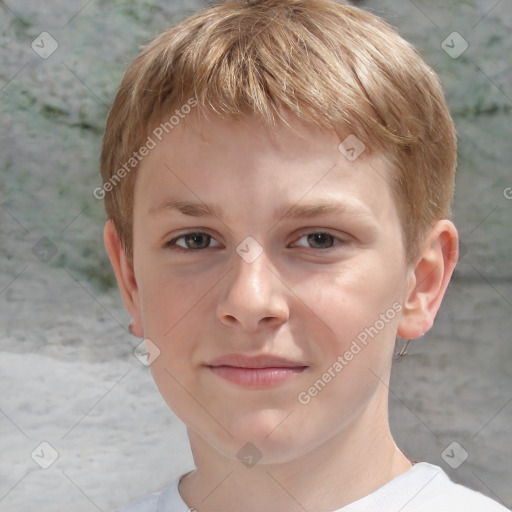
{"points": [[123, 269], [429, 280]]}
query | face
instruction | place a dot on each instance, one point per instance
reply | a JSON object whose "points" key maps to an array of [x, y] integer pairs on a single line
{"points": [[302, 259]]}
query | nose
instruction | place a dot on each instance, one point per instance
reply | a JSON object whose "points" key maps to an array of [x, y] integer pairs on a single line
{"points": [[253, 296]]}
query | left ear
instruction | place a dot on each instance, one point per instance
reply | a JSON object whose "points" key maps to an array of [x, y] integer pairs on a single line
{"points": [[429, 280]]}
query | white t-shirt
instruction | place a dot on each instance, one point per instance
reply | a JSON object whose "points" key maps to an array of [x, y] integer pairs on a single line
{"points": [[423, 488]]}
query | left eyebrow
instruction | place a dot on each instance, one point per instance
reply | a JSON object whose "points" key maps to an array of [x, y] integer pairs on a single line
{"points": [[316, 209]]}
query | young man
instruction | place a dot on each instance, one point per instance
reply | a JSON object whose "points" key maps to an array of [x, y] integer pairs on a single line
{"points": [[277, 177]]}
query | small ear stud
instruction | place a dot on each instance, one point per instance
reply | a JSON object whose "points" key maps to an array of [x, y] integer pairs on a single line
{"points": [[403, 351]]}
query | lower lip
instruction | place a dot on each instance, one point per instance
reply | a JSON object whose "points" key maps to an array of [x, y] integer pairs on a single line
{"points": [[256, 377]]}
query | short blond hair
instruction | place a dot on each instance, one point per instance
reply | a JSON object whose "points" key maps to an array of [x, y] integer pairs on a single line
{"points": [[332, 65]]}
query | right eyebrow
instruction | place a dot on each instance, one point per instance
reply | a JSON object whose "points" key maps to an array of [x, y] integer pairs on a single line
{"points": [[189, 208]]}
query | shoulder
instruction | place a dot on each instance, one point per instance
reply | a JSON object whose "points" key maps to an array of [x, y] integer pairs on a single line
{"points": [[169, 500], [147, 503], [424, 488], [440, 494]]}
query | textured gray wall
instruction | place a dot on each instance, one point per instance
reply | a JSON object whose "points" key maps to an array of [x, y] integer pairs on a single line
{"points": [[65, 351]]}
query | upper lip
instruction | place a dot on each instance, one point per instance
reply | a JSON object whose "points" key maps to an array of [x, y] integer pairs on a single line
{"points": [[261, 361]]}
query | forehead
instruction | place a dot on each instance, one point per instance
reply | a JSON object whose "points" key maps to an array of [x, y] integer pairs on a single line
{"points": [[246, 164]]}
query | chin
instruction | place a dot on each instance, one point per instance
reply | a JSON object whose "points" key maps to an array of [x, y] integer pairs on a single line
{"points": [[266, 445]]}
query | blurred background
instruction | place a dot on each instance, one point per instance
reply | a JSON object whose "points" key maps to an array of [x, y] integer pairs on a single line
{"points": [[70, 378]]}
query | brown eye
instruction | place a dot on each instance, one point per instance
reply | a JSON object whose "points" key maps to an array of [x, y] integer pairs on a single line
{"points": [[191, 241], [319, 240]]}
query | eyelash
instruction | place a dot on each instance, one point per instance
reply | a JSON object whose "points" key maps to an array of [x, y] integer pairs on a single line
{"points": [[171, 244]]}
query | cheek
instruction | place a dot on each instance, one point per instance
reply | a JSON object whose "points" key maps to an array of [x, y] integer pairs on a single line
{"points": [[169, 297], [176, 307], [355, 352], [351, 300]]}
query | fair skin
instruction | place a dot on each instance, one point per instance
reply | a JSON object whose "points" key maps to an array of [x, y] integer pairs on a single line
{"points": [[305, 298]]}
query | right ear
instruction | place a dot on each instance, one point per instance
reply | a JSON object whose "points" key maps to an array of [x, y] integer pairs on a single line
{"points": [[125, 276]]}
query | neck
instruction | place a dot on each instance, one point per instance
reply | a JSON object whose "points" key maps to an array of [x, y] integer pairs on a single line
{"points": [[350, 465]]}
